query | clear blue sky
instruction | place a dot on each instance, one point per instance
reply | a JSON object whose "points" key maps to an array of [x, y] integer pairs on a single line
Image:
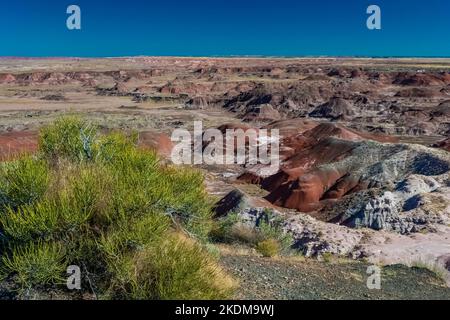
{"points": [[225, 27]]}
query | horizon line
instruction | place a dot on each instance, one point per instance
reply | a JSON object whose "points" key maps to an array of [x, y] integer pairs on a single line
{"points": [[232, 56]]}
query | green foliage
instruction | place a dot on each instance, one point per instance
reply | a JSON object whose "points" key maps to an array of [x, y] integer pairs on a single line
{"points": [[113, 208], [268, 248], [66, 210], [179, 269], [114, 147], [36, 264], [30, 222], [184, 196], [231, 229], [134, 235], [327, 257], [439, 271], [22, 182], [68, 137], [222, 230], [84, 196], [136, 188], [272, 229]]}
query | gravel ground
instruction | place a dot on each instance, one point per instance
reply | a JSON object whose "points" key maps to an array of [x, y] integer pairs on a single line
{"points": [[296, 279], [301, 279]]}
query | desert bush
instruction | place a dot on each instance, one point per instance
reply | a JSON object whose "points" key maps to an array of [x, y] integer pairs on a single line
{"points": [[269, 248], [111, 148], [185, 198], [84, 195], [244, 233], [327, 257], [113, 208], [134, 234], [139, 172], [68, 137], [179, 269], [22, 181], [30, 222], [36, 264], [222, 229], [273, 229], [232, 229], [64, 211]]}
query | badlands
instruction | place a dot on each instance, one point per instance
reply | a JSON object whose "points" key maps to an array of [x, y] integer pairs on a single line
{"points": [[365, 143]]}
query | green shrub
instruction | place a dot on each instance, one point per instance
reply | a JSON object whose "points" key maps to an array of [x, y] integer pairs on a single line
{"points": [[31, 222], [178, 192], [53, 218], [268, 248], [184, 196], [68, 138], [222, 228], [273, 230], [134, 235], [177, 269], [243, 233], [114, 209], [232, 229], [438, 270], [327, 257], [114, 147], [137, 183], [85, 196], [213, 250], [22, 181], [36, 264]]}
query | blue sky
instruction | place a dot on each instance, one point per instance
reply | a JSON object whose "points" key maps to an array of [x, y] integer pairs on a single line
{"points": [[225, 27]]}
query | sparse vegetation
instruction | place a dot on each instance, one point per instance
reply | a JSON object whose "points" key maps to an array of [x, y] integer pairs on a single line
{"points": [[267, 237], [268, 248], [434, 268], [100, 202], [327, 257]]}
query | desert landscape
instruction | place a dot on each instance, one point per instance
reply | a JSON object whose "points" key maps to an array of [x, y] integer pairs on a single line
{"points": [[365, 160]]}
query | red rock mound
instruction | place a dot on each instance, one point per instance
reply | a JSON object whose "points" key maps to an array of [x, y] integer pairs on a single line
{"points": [[291, 127], [160, 142], [16, 143], [305, 181], [7, 78], [310, 137], [305, 192]]}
